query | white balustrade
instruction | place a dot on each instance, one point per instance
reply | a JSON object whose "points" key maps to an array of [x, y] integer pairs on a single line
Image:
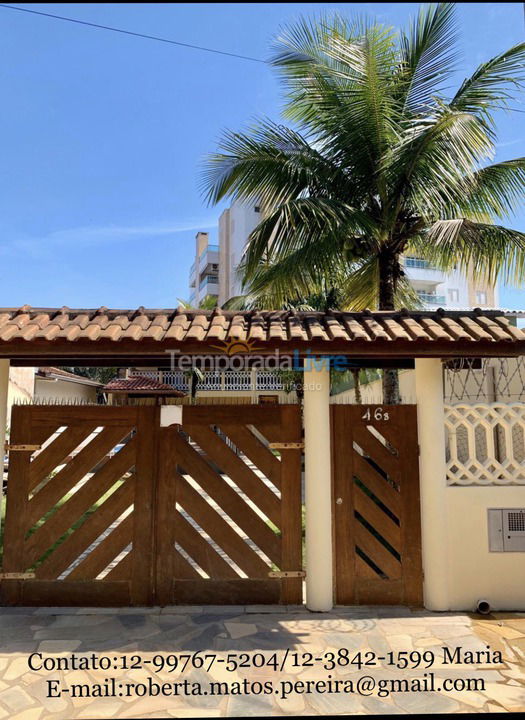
{"points": [[227, 380], [268, 380]]}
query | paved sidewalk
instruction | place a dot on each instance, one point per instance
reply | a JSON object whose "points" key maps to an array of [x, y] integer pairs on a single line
{"points": [[151, 633]]}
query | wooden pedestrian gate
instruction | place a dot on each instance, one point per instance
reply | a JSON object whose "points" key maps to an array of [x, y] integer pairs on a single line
{"points": [[105, 507], [376, 505]]}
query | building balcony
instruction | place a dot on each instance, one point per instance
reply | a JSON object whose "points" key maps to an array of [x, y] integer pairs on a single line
{"points": [[421, 271], [414, 262], [208, 258], [209, 249], [431, 298], [210, 284], [217, 380]]}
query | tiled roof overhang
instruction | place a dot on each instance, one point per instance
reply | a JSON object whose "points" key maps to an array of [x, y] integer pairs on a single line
{"points": [[142, 385], [34, 335]]}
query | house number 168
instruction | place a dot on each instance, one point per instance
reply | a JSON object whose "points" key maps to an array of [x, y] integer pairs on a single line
{"points": [[378, 414]]}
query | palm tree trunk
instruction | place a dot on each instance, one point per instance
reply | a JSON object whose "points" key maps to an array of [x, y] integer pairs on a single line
{"points": [[389, 270], [193, 387], [357, 386]]}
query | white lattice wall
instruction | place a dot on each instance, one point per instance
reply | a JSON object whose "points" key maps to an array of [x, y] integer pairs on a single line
{"points": [[485, 443]]}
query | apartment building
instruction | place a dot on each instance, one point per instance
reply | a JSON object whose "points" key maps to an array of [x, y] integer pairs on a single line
{"points": [[204, 273], [235, 225], [451, 290], [215, 270]]}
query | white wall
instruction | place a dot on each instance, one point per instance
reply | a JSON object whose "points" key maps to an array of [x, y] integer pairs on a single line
{"points": [[21, 387], [235, 225], [63, 390], [474, 573]]}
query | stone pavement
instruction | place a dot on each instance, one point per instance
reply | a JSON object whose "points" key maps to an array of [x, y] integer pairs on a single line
{"points": [[156, 633]]}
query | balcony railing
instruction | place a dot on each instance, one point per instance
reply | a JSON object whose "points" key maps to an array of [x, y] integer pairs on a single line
{"points": [[218, 380], [432, 298], [209, 249], [208, 280], [418, 263]]}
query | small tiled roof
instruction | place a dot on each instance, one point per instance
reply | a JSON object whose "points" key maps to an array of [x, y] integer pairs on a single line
{"points": [[63, 332], [51, 372], [141, 384]]}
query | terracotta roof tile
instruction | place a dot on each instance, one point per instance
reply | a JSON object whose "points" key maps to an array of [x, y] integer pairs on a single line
{"points": [[157, 330], [61, 373], [141, 384]]}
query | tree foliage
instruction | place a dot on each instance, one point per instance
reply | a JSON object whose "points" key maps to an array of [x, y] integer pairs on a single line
{"points": [[380, 159]]}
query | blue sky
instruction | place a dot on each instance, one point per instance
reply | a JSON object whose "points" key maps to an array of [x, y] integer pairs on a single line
{"points": [[103, 136]]}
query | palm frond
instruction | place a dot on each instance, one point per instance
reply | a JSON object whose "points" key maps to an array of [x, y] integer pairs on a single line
{"points": [[273, 163], [496, 190], [488, 251], [360, 288], [308, 224], [429, 56], [493, 84], [427, 168]]}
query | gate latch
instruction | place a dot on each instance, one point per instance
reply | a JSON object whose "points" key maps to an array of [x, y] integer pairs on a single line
{"points": [[286, 446], [17, 576], [10, 448], [286, 573]]}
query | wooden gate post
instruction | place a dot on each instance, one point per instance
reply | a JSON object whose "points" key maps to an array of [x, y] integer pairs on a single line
{"points": [[4, 389], [318, 489], [433, 479]]}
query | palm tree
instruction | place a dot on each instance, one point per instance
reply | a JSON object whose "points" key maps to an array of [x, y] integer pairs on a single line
{"points": [[208, 302], [195, 374], [381, 160]]}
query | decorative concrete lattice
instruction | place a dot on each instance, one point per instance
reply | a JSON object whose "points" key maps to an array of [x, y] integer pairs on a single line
{"points": [[485, 443]]}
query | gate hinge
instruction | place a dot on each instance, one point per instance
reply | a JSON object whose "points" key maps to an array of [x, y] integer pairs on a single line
{"points": [[286, 573], [17, 576], [9, 448], [286, 446]]}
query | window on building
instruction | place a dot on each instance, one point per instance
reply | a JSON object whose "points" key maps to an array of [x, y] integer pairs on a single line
{"points": [[453, 295], [257, 208], [481, 297]]}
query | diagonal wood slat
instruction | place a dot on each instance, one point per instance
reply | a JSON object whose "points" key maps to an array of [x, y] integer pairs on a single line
{"points": [[377, 484], [121, 571], [74, 471], [237, 470], [228, 500], [183, 569], [106, 551], [223, 534], [376, 450], [40, 434], [74, 545], [364, 570], [379, 520], [389, 430], [55, 453], [260, 455], [377, 552], [201, 551], [50, 531]]}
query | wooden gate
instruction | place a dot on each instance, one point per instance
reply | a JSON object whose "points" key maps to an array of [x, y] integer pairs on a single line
{"points": [[106, 508], [376, 505], [78, 527], [231, 507]]}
